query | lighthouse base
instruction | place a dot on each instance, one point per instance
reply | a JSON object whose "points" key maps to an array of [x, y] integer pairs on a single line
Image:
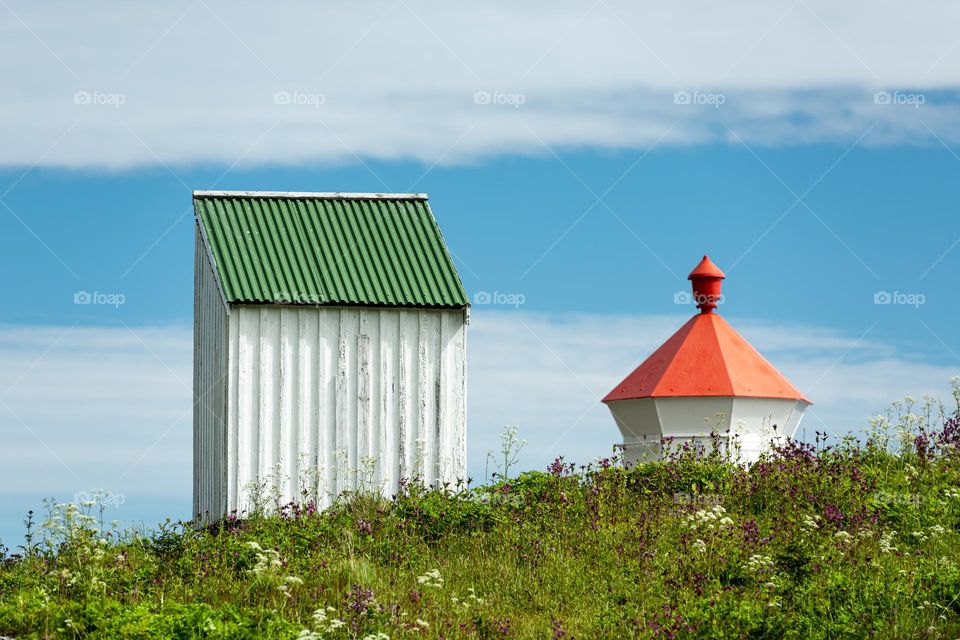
{"points": [[739, 427]]}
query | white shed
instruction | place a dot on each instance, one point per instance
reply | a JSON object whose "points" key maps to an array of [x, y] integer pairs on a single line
{"points": [[329, 347]]}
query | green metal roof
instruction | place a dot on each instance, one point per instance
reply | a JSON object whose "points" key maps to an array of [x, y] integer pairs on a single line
{"points": [[328, 248]]}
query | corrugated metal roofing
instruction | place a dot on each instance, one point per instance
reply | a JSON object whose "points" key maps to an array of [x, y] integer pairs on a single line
{"points": [[328, 248]]}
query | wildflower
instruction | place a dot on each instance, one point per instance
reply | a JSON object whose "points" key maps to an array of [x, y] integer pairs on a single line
{"points": [[320, 616], [937, 530], [920, 536], [843, 536], [423, 624], [268, 560], [700, 546], [293, 580], [725, 521], [886, 542], [431, 578], [758, 562], [811, 522]]}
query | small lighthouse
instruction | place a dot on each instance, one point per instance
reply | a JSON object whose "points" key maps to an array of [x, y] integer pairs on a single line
{"points": [[705, 378]]}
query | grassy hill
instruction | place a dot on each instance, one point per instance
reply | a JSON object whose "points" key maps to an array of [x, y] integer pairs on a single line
{"points": [[827, 540]]}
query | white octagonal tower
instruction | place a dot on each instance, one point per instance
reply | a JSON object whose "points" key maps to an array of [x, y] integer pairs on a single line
{"points": [[705, 378]]}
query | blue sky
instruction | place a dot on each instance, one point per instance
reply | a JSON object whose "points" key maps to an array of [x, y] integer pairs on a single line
{"points": [[581, 162], [881, 220]]}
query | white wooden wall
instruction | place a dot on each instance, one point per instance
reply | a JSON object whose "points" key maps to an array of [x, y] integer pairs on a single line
{"points": [[209, 388], [322, 400]]}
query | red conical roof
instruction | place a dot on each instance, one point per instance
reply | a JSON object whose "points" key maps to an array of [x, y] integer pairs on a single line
{"points": [[706, 357], [706, 269]]}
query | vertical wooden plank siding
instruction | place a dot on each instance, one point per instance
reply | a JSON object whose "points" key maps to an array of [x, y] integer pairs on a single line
{"points": [[210, 436], [312, 395]]}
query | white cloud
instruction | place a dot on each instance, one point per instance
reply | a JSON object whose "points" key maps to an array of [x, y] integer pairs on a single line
{"points": [[96, 407], [185, 82]]}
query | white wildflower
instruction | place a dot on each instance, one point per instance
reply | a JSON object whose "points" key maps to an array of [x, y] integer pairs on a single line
{"points": [[474, 597], [700, 546], [843, 536], [758, 562], [431, 578], [886, 542], [268, 560]]}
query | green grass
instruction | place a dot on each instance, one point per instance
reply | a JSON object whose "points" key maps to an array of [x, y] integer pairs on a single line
{"points": [[843, 541]]}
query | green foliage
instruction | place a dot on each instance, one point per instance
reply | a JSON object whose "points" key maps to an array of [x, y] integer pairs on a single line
{"points": [[814, 541]]}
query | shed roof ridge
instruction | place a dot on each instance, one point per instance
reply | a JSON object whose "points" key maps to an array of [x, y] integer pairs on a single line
{"points": [[315, 195]]}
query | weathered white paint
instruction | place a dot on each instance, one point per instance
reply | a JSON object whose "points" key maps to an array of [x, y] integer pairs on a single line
{"points": [[643, 422], [210, 469], [311, 401]]}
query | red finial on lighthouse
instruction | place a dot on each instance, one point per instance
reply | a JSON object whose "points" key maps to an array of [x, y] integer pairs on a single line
{"points": [[706, 279]]}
